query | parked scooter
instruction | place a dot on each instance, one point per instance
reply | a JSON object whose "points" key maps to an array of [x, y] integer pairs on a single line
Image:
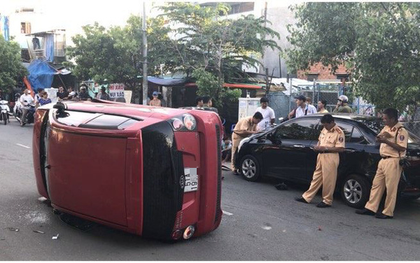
{"points": [[4, 111]]}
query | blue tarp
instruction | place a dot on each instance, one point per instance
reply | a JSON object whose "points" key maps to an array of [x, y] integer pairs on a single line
{"points": [[166, 81], [41, 74]]}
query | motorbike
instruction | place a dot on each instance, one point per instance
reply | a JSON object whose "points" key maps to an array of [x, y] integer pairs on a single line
{"points": [[18, 111], [4, 111]]}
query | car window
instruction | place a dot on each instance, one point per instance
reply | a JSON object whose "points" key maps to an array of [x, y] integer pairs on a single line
{"points": [[347, 129], [357, 136], [352, 133], [300, 129]]}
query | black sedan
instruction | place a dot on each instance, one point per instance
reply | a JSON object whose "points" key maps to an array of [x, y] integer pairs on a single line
{"points": [[285, 152]]}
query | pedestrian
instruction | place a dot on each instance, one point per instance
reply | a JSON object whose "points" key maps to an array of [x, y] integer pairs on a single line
{"points": [[244, 127], [321, 106], [62, 94], [102, 95], [267, 113], [199, 102], [208, 104], [71, 94], [155, 101], [330, 143], [226, 149], [303, 108], [44, 98], [38, 96], [393, 139], [83, 94], [342, 105]]}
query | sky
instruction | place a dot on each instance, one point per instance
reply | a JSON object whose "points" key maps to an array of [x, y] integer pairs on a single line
{"points": [[81, 12]]}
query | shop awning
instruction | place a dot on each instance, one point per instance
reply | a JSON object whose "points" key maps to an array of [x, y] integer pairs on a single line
{"points": [[232, 85]]}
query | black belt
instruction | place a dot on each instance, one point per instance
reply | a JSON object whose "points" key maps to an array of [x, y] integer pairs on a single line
{"points": [[386, 157]]}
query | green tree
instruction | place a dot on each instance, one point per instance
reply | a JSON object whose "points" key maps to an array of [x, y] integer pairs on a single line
{"points": [[11, 68], [378, 42], [212, 47], [115, 54]]}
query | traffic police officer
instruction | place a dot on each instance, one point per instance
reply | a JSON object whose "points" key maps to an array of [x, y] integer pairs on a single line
{"points": [[393, 139], [330, 143], [244, 128]]}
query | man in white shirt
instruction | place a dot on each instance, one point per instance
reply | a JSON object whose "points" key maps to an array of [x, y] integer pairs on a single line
{"points": [[303, 108], [26, 100], [267, 113]]}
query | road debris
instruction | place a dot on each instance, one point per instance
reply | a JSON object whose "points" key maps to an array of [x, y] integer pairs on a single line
{"points": [[13, 229], [39, 232], [55, 237], [267, 227], [319, 228], [281, 186]]}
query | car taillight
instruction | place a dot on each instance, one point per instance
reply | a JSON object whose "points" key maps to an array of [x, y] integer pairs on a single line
{"points": [[177, 234], [188, 232], [177, 124], [189, 122]]}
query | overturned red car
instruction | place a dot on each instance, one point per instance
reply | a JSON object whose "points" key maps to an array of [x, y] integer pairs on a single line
{"points": [[154, 172]]}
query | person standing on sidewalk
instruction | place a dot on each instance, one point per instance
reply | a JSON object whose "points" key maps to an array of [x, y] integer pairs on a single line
{"points": [[330, 143], [394, 140], [244, 127], [268, 115]]}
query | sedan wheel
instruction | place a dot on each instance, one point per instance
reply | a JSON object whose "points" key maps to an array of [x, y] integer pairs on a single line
{"points": [[355, 191], [250, 168]]}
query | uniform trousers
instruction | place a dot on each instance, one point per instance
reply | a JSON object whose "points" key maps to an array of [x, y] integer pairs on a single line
{"points": [[325, 175], [235, 144], [387, 176]]}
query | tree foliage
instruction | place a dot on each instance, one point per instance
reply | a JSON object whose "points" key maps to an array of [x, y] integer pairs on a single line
{"points": [[378, 42], [116, 54], [11, 69], [212, 47]]}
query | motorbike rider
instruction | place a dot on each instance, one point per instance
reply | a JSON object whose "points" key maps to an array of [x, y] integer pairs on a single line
{"points": [[26, 100]]}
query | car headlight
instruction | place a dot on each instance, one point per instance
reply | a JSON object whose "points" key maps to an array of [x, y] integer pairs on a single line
{"points": [[242, 143]]}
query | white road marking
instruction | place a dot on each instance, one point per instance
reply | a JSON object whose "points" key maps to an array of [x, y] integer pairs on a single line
{"points": [[24, 146], [227, 213]]}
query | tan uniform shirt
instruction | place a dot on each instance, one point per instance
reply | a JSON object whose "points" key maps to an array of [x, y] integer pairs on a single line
{"points": [[402, 140], [332, 138], [244, 124], [323, 111]]}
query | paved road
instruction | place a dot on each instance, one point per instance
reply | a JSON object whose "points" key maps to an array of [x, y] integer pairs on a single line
{"points": [[260, 223]]}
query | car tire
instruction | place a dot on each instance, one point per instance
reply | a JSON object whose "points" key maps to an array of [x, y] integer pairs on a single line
{"points": [[355, 191], [250, 168]]}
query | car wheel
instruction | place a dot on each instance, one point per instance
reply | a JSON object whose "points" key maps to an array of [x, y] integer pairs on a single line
{"points": [[250, 168], [355, 191]]}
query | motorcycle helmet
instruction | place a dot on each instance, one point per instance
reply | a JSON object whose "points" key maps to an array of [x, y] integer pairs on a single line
{"points": [[343, 98]]}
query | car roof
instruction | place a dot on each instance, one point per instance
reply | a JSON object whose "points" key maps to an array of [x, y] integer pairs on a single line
{"points": [[346, 116]]}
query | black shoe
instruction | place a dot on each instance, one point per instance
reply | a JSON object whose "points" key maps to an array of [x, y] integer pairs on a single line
{"points": [[236, 172], [322, 205], [301, 199], [382, 216], [365, 211]]}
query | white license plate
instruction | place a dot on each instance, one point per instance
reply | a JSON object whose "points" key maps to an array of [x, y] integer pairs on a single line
{"points": [[191, 180]]}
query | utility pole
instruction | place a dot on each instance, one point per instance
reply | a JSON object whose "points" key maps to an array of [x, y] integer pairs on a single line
{"points": [[145, 84]]}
